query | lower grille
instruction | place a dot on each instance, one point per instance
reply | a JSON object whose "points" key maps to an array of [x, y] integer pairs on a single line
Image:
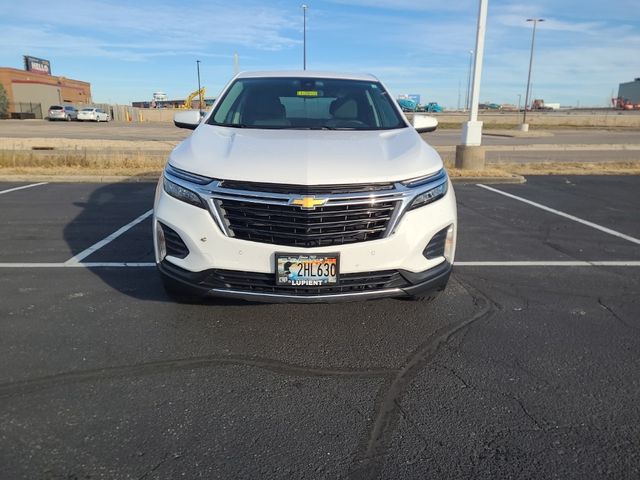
{"points": [[174, 244], [266, 282], [290, 226], [435, 248]]}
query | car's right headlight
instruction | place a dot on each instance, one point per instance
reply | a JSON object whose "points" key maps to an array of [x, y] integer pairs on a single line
{"points": [[181, 192]]}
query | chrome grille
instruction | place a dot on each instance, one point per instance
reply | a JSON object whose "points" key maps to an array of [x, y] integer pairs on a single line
{"points": [[291, 226]]}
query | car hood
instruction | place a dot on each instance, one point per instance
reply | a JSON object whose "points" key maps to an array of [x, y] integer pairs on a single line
{"points": [[307, 157]]}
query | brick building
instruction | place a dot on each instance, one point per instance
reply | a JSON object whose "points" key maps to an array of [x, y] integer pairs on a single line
{"points": [[36, 89]]}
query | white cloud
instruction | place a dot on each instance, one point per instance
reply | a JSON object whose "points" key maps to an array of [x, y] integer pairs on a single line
{"points": [[157, 28]]}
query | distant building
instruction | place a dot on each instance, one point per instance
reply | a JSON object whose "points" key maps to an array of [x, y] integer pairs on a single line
{"points": [[630, 91], [34, 89], [170, 103]]}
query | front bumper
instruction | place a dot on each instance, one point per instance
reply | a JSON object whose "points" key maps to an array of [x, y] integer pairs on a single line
{"points": [[208, 254], [258, 287]]}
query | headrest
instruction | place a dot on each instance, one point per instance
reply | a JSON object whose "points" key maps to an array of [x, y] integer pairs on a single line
{"points": [[344, 108]]}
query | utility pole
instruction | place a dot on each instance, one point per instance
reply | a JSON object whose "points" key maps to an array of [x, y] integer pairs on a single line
{"points": [[304, 36], [200, 100], [470, 155], [519, 101], [525, 127]]}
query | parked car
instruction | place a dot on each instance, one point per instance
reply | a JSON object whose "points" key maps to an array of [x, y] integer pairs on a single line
{"points": [[62, 112], [93, 114], [304, 187]]}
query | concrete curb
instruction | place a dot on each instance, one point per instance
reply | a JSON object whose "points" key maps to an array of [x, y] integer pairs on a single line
{"points": [[487, 180], [545, 147], [80, 178]]}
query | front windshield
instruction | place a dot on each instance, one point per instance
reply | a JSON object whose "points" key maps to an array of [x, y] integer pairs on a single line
{"points": [[307, 103]]}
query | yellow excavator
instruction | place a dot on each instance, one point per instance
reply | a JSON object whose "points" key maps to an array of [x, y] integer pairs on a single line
{"points": [[188, 102]]}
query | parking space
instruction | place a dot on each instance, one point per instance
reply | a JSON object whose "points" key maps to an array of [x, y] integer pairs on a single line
{"points": [[517, 371], [496, 227], [53, 222]]}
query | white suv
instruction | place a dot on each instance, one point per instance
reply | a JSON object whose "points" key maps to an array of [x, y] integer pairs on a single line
{"points": [[304, 187]]}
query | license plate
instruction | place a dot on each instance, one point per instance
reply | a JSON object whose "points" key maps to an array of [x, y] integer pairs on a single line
{"points": [[307, 270]]}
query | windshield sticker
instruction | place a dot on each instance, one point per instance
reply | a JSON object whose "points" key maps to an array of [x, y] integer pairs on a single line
{"points": [[307, 93]]}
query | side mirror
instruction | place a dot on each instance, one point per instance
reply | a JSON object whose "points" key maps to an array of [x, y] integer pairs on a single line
{"points": [[424, 123], [189, 119]]}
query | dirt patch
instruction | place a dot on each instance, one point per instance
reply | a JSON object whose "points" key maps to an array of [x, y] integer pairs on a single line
{"points": [[82, 160], [13, 143]]}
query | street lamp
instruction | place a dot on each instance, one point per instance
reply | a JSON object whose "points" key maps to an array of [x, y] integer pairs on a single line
{"points": [[470, 154], [199, 89], [304, 36], [525, 127], [466, 101]]}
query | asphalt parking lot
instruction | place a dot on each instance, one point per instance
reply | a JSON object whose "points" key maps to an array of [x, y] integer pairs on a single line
{"points": [[526, 367]]}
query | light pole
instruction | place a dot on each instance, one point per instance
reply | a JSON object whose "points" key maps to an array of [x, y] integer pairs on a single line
{"points": [[519, 101], [304, 36], [525, 127], [469, 154], [466, 101], [199, 89]]}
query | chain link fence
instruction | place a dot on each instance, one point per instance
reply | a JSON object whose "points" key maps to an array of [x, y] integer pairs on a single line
{"points": [[24, 110]]}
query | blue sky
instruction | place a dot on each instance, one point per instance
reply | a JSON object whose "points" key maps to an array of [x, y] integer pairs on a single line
{"points": [[129, 49]]}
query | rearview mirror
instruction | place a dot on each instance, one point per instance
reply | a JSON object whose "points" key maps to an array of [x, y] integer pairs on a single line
{"points": [[189, 119], [424, 123]]}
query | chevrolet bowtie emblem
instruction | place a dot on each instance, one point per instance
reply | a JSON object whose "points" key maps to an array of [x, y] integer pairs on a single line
{"points": [[309, 203]]}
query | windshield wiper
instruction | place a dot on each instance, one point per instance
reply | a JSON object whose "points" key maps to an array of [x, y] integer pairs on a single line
{"points": [[327, 127], [232, 125], [323, 127]]}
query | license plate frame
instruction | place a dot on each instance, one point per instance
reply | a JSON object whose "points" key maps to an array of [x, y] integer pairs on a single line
{"points": [[286, 280]]}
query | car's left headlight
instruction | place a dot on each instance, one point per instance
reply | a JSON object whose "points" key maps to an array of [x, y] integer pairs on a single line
{"points": [[436, 187]]}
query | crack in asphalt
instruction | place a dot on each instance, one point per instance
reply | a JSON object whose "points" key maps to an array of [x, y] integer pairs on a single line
{"points": [[155, 467], [22, 387], [422, 437], [615, 315], [369, 461]]}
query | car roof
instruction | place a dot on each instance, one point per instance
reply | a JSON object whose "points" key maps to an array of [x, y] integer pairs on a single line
{"points": [[308, 74]]}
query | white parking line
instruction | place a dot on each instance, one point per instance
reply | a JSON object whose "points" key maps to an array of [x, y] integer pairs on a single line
{"points": [[78, 265], [22, 187], [97, 246], [565, 215]]}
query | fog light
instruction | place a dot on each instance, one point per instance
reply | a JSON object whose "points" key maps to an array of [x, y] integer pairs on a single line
{"points": [[450, 244], [161, 245]]}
